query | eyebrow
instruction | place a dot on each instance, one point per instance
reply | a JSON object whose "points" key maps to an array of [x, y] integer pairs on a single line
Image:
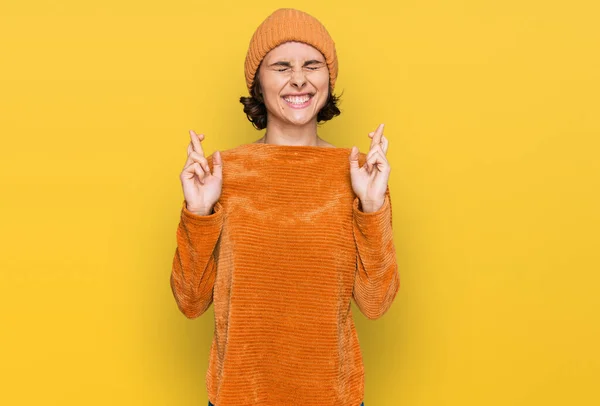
{"points": [[285, 63]]}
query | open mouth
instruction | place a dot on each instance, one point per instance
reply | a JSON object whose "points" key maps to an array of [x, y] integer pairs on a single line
{"points": [[298, 102]]}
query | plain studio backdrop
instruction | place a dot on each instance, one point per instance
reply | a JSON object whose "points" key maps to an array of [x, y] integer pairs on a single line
{"points": [[491, 110]]}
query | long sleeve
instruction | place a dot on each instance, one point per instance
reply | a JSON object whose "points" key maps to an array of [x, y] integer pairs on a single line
{"points": [[194, 266], [377, 279]]}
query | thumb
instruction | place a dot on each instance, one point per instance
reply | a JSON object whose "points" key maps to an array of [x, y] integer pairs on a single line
{"points": [[217, 165], [354, 158]]}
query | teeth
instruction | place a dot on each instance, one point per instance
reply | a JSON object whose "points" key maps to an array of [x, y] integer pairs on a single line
{"points": [[296, 100]]}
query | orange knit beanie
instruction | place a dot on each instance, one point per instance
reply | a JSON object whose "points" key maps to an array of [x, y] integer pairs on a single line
{"points": [[288, 24]]}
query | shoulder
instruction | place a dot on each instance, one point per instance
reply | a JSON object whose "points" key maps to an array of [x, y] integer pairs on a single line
{"points": [[240, 154]]}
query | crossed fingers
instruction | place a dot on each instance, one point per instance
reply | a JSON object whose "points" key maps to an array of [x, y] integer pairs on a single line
{"points": [[195, 151], [378, 148]]}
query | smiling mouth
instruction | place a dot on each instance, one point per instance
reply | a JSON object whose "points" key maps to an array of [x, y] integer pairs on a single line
{"points": [[298, 101]]}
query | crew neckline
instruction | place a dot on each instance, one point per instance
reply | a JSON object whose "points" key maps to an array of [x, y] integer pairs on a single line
{"points": [[294, 147]]}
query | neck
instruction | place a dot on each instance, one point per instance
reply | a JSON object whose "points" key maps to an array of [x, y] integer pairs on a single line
{"points": [[291, 135]]}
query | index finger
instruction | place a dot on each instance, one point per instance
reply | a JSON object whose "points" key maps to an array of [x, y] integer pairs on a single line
{"points": [[196, 143], [377, 136]]}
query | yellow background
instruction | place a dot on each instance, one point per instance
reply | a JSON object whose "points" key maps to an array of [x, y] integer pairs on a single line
{"points": [[491, 109]]}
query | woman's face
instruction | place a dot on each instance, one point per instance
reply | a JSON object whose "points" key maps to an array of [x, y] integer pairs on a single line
{"points": [[298, 70]]}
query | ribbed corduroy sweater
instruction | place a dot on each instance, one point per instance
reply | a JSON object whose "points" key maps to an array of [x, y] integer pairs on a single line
{"points": [[284, 251]]}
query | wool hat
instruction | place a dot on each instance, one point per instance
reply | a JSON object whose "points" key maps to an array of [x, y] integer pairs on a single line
{"points": [[288, 24]]}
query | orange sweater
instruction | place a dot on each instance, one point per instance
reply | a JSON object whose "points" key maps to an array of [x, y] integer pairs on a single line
{"points": [[284, 251]]}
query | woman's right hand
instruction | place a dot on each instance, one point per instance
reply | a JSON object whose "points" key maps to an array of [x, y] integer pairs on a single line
{"points": [[201, 189]]}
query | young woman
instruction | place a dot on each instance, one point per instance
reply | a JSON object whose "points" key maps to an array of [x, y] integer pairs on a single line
{"points": [[281, 234]]}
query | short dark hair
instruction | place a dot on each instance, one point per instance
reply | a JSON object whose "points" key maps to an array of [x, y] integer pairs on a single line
{"points": [[256, 111]]}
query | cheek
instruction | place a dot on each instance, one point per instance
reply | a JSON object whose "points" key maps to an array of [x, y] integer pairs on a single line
{"points": [[269, 93], [324, 85], [324, 90], [272, 88], [271, 99], [322, 102]]}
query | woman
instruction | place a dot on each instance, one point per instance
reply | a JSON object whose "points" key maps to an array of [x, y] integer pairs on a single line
{"points": [[282, 233]]}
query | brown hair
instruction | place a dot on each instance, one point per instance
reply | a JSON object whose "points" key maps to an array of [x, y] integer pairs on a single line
{"points": [[256, 111]]}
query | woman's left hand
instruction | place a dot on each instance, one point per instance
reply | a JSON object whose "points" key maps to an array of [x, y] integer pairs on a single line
{"points": [[371, 181]]}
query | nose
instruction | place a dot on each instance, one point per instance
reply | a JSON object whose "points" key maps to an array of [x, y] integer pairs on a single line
{"points": [[298, 80]]}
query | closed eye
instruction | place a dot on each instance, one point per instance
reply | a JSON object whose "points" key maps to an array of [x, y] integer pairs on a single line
{"points": [[284, 69]]}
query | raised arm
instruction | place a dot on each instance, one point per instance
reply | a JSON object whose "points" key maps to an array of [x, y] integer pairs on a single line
{"points": [[377, 279], [194, 265]]}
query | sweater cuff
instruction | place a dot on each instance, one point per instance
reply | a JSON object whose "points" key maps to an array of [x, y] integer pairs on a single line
{"points": [[364, 216], [374, 226], [215, 217]]}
